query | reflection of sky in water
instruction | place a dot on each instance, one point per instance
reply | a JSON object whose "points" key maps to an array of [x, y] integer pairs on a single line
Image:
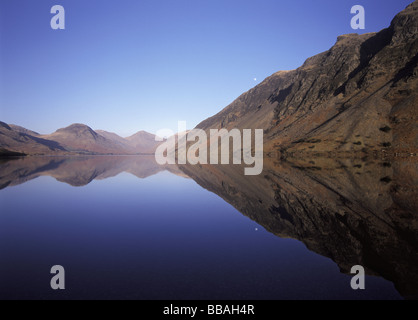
{"points": [[163, 237]]}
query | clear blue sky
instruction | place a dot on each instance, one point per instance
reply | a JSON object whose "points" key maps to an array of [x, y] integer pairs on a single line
{"points": [[128, 65]]}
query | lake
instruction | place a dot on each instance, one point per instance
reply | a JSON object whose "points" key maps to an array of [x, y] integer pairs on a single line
{"points": [[127, 228]]}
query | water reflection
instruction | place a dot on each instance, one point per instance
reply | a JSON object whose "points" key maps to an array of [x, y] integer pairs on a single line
{"points": [[354, 212], [78, 171]]}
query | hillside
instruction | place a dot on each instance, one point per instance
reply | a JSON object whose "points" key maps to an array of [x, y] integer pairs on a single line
{"points": [[359, 96], [17, 141], [74, 139]]}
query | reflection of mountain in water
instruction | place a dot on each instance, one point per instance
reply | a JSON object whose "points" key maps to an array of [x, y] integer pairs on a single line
{"points": [[79, 171], [354, 213]]}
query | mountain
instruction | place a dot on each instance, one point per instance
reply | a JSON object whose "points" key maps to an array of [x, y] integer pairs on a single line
{"points": [[81, 138], [143, 141], [74, 139], [24, 130], [115, 138], [17, 141], [359, 96]]}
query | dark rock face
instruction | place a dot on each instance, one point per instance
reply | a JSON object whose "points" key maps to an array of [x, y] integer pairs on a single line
{"points": [[340, 98], [352, 212]]}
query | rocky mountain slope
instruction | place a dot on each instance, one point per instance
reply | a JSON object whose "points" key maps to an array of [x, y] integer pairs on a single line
{"points": [[359, 96]]}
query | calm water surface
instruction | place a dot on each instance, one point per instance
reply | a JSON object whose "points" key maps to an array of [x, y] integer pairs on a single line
{"points": [[124, 228]]}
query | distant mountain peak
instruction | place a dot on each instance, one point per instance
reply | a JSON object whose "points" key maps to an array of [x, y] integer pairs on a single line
{"points": [[77, 138], [141, 134], [76, 127], [77, 130]]}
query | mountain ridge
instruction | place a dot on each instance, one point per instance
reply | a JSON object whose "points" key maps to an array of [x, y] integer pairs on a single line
{"points": [[358, 96], [76, 138]]}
